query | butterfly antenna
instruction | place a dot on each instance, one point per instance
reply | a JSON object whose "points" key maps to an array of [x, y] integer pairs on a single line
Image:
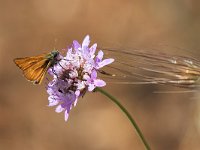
{"points": [[55, 43]]}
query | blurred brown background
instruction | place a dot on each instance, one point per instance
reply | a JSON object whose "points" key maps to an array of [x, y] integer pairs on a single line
{"points": [[30, 27]]}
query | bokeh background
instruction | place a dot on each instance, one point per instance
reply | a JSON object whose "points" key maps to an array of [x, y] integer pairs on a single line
{"points": [[31, 27]]}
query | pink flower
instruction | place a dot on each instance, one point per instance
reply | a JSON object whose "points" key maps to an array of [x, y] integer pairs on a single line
{"points": [[75, 74]]}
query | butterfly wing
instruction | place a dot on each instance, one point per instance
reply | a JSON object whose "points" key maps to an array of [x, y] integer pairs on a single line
{"points": [[36, 72], [34, 68], [26, 62]]}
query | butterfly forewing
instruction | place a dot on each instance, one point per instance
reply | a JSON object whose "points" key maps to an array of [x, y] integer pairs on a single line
{"points": [[26, 62], [34, 68]]}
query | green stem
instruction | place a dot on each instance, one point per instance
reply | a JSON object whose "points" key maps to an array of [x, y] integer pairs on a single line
{"points": [[147, 147]]}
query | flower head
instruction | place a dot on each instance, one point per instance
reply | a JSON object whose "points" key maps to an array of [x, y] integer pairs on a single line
{"points": [[75, 74]]}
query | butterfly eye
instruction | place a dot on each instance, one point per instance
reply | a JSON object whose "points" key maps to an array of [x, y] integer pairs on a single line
{"points": [[55, 55]]}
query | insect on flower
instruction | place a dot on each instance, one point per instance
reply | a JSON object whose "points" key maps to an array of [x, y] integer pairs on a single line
{"points": [[78, 71], [34, 68]]}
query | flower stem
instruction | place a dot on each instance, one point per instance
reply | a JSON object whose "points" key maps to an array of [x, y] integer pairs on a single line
{"points": [[147, 147]]}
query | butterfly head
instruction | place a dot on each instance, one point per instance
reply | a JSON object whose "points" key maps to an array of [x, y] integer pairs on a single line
{"points": [[54, 54]]}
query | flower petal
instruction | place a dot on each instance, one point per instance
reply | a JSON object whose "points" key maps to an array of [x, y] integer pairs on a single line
{"points": [[105, 62], [66, 115], [75, 102], [86, 77], [100, 55], [99, 83], [52, 101], [93, 49], [86, 41], [77, 93], [76, 45], [93, 75], [91, 87], [59, 109]]}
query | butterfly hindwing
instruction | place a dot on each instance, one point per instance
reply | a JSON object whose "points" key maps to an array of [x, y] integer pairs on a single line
{"points": [[37, 71]]}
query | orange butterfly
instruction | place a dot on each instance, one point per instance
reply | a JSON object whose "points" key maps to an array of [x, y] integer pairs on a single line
{"points": [[34, 68]]}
